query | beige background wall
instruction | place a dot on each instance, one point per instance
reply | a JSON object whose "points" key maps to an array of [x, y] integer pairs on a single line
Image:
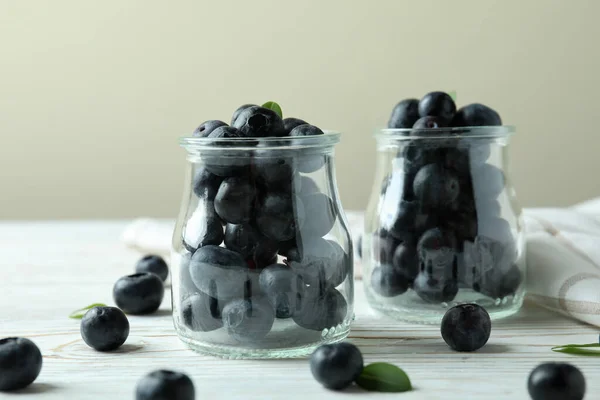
{"points": [[93, 95]]}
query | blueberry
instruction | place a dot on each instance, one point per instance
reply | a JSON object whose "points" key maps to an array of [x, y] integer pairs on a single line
{"points": [[388, 281], [430, 122], [404, 220], [437, 253], [163, 385], [20, 363], [488, 182], [479, 150], [435, 290], [488, 265], [436, 187], [437, 104], [203, 228], [466, 327], [306, 130], [498, 283], [336, 366], [219, 272], [185, 278], [226, 132], [139, 293], [207, 127], [104, 328], [248, 320], [200, 312], [237, 112], [487, 208], [206, 184], [495, 228], [320, 262], [406, 262], [405, 114], [308, 186], [265, 253], [283, 289], [276, 173], [556, 381], [290, 123], [310, 160], [279, 216], [383, 246], [476, 115], [320, 214], [417, 155], [456, 159], [464, 225], [321, 309], [154, 264], [235, 200], [259, 122], [243, 239]]}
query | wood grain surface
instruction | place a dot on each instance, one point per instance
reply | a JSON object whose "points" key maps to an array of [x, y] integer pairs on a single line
{"points": [[49, 269]]}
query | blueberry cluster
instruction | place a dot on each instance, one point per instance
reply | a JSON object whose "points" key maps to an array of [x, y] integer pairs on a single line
{"points": [[443, 230], [256, 242]]}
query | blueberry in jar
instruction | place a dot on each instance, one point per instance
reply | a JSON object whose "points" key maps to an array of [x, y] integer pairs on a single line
{"points": [[225, 163], [476, 115], [206, 184], [383, 246], [290, 123], [388, 281], [320, 262], [163, 384], [432, 289], [337, 365], [430, 122], [283, 288], [437, 104], [488, 182], [275, 173], [406, 262], [437, 251], [203, 228], [556, 381], [405, 114], [320, 214], [309, 160], [234, 202], [259, 122], [248, 320], [104, 328], [498, 283], [20, 363], [321, 309], [279, 215], [239, 110], [307, 186], [243, 239], [207, 127], [466, 327], [201, 312], [155, 264], [139, 293], [436, 187]]}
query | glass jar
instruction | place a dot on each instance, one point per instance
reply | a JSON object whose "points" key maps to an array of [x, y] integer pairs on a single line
{"points": [[262, 254], [443, 226]]}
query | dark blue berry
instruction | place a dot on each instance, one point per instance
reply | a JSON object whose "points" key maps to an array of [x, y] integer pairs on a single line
{"points": [[495, 228], [556, 381], [437, 104], [219, 272], [320, 262], [248, 320], [206, 184], [276, 173], [104, 328], [320, 214], [321, 309], [306, 130], [406, 261], [234, 202], [237, 112], [185, 278], [203, 228], [466, 327], [139, 293], [310, 160], [488, 182], [436, 187], [308, 186], [498, 283], [430, 122], [405, 114], [207, 127], [435, 290], [290, 123], [201, 312], [283, 288], [155, 264], [20, 363], [388, 281], [437, 252], [259, 122], [404, 220], [243, 239], [336, 366], [279, 216], [476, 115], [383, 246], [163, 385]]}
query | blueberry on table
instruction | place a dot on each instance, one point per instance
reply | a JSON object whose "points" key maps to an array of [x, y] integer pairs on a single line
{"points": [[405, 114], [435, 289], [104, 328], [201, 312], [207, 127], [320, 262], [279, 216], [206, 184], [239, 110], [290, 123], [155, 264], [437, 104], [430, 122], [163, 385], [219, 272], [321, 309], [336, 366], [320, 214], [234, 202], [306, 130], [436, 187], [556, 381], [466, 327], [20, 363], [139, 293], [388, 281], [259, 122], [283, 288], [476, 115], [248, 320]]}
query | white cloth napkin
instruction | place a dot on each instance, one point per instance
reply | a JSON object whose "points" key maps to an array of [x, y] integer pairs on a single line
{"points": [[563, 255]]}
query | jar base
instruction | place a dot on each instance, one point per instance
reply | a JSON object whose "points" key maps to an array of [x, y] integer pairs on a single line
{"points": [[410, 308]]}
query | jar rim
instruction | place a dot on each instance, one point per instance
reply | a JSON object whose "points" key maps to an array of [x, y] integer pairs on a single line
{"points": [[489, 132], [329, 138]]}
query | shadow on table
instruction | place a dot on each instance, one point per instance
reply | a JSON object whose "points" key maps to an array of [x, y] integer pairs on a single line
{"points": [[35, 388]]}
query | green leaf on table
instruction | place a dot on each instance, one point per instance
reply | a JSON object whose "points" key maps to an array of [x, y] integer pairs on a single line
{"points": [[271, 105], [383, 377], [452, 94], [78, 314], [579, 349]]}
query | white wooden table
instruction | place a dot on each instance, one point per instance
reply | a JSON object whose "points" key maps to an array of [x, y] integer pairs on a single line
{"points": [[49, 269]]}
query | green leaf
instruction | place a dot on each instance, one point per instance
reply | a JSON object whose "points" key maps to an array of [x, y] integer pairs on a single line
{"points": [[383, 377], [579, 349], [453, 95], [78, 314], [271, 105]]}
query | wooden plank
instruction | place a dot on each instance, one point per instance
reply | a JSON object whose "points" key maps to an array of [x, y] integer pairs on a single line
{"points": [[49, 269]]}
